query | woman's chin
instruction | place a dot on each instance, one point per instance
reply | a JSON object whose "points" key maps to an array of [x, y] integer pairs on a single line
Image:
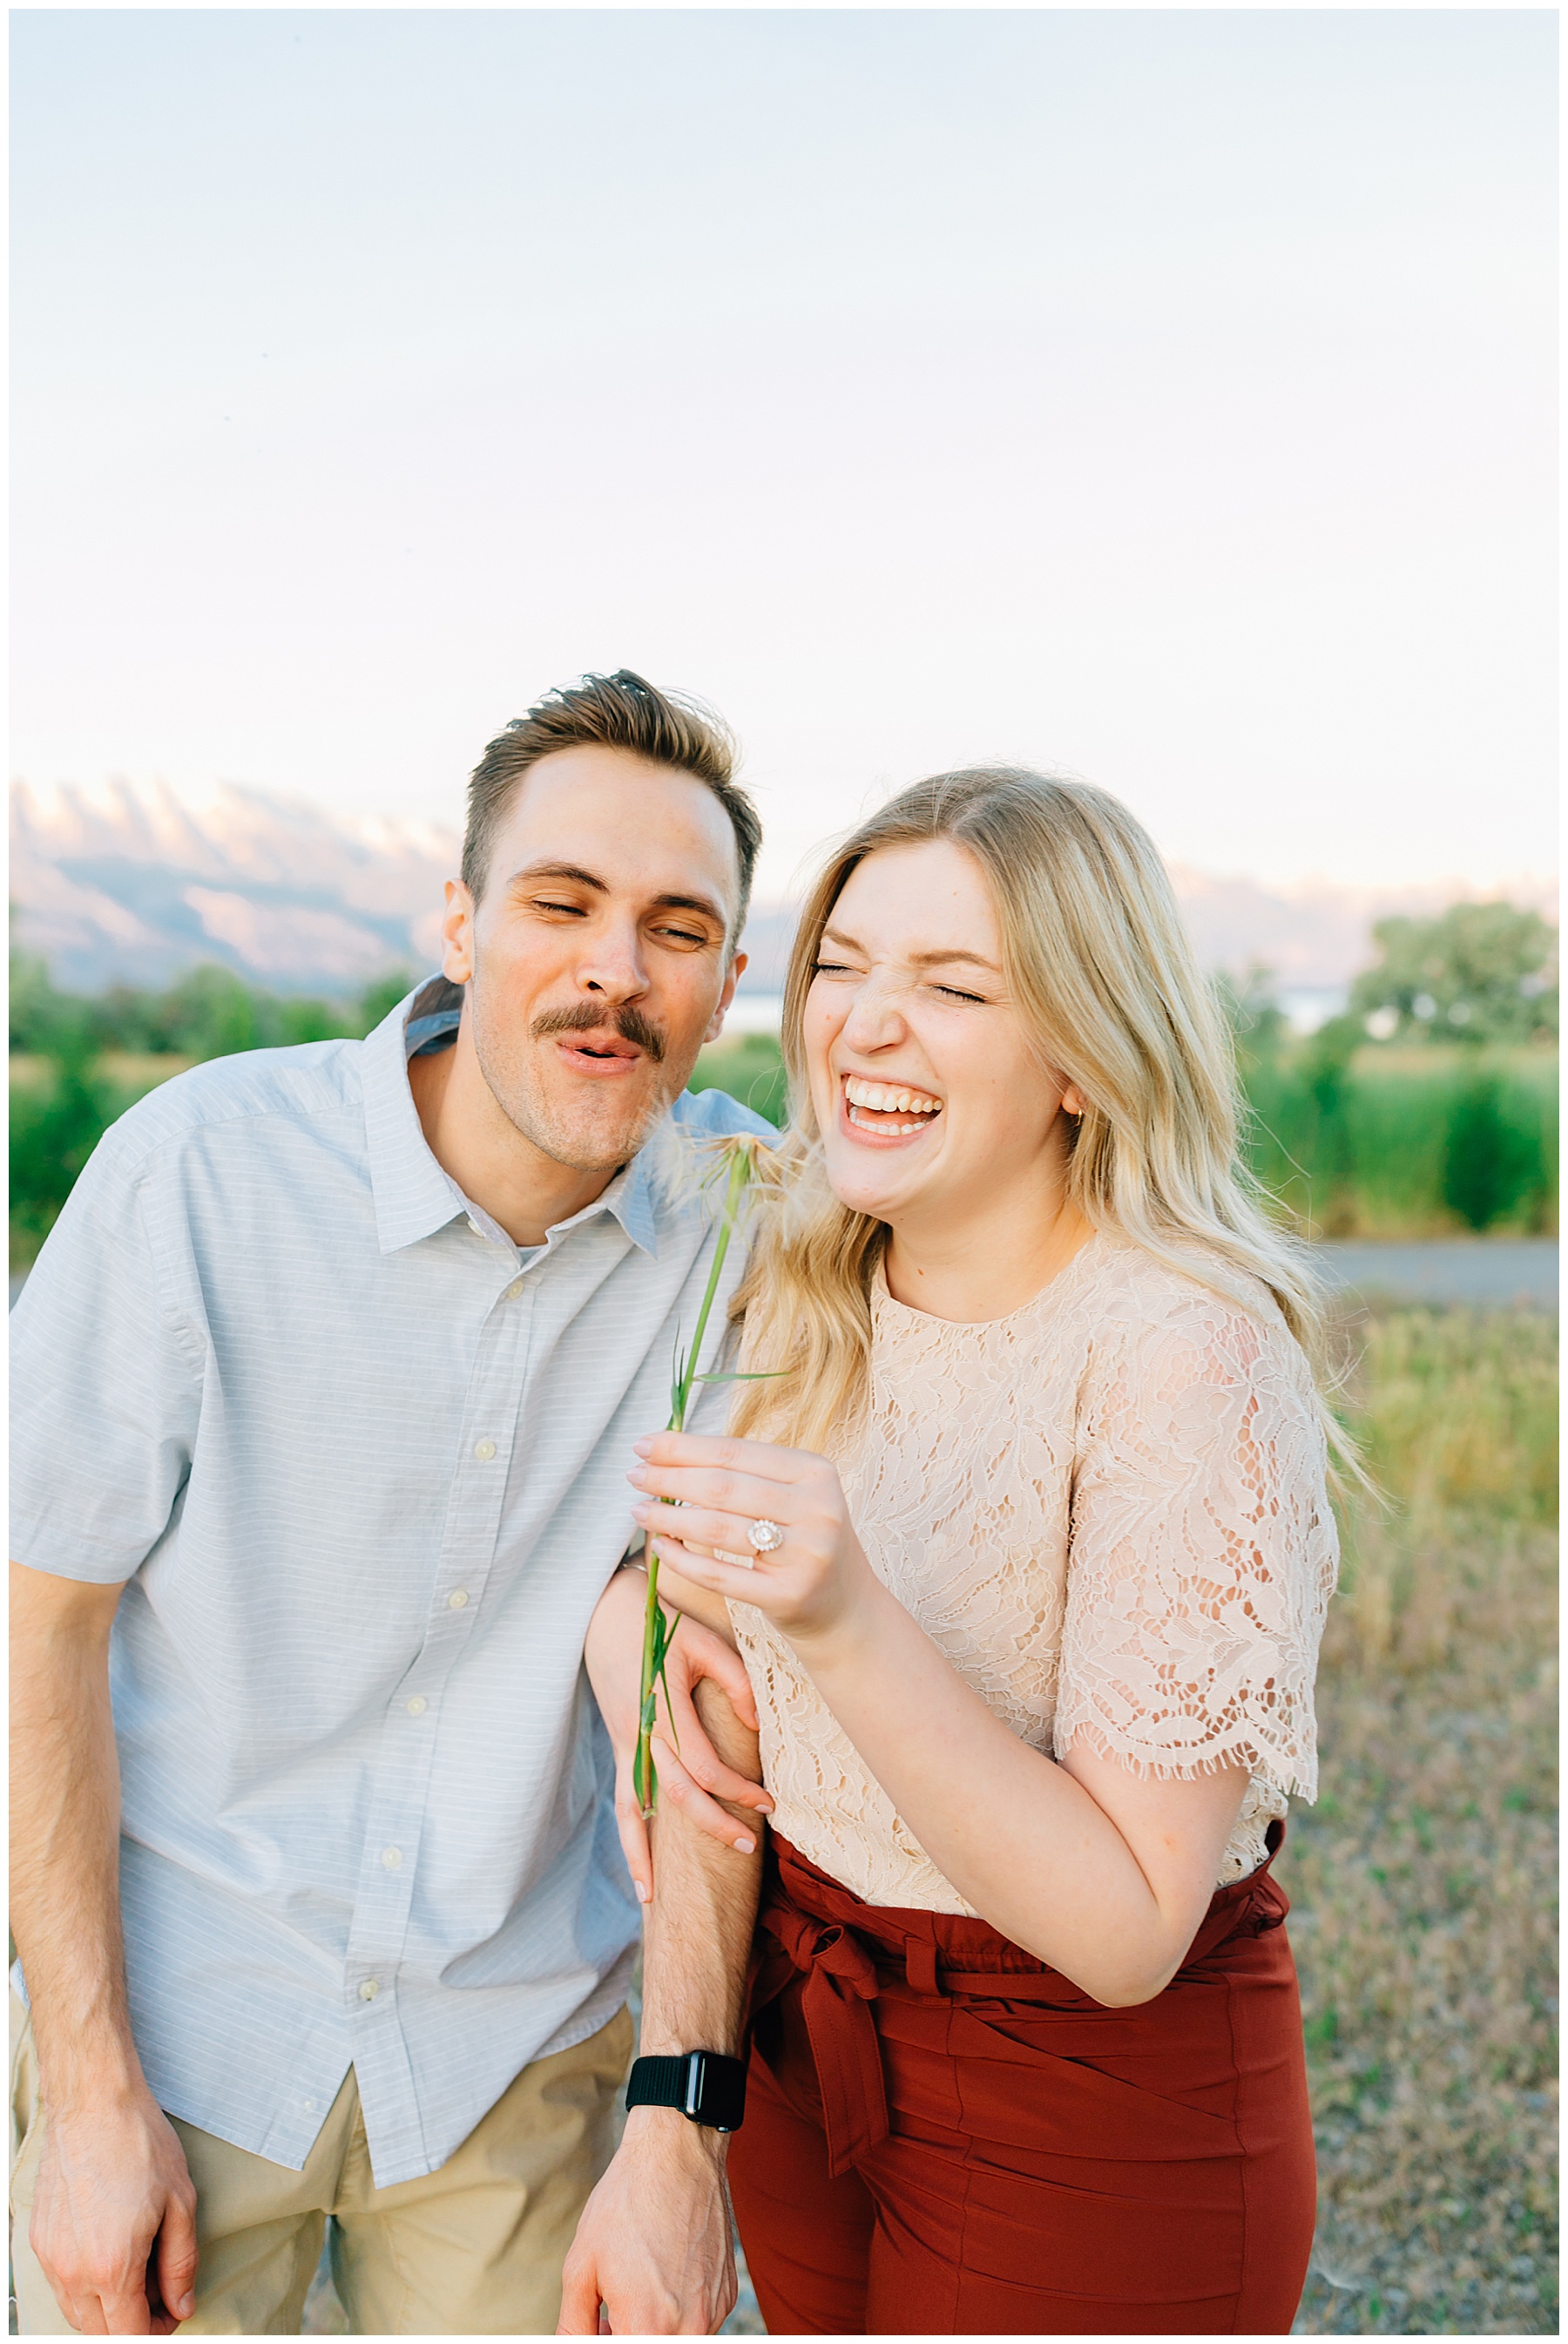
{"points": [[884, 1188]]}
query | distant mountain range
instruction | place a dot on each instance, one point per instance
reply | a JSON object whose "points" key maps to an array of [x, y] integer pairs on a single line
{"points": [[130, 883]]}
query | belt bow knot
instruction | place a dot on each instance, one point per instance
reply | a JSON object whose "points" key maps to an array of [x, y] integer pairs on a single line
{"points": [[841, 1984]]}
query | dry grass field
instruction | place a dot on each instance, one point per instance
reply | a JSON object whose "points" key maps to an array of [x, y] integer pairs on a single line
{"points": [[1424, 1881]]}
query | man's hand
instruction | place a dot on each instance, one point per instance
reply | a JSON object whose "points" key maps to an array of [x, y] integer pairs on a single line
{"points": [[613, 1655], [654, 2242], [113, 2218]]}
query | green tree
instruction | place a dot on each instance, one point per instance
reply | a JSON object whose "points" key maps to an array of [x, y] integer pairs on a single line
{"points": [[1481, 972], [211, 1014], [37, 1012]]}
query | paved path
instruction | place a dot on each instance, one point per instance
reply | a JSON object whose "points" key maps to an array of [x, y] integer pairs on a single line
{"points": [[1449, 1269]]}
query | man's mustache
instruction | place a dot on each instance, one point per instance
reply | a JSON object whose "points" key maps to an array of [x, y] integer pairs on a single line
{"points": [[627, 1021]]}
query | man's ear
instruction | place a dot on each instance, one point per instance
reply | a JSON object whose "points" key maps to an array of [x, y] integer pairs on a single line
{"points": [[716, 1022], [457, 934]]}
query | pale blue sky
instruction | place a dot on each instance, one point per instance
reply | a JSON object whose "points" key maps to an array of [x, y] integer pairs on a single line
{"points": [[1166, 398]]}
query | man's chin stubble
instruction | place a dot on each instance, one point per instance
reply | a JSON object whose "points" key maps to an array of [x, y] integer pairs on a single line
{"points": [[573, 1148]]}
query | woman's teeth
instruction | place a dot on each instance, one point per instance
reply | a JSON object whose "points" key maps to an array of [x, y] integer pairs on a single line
{"points": [[885, 1099]]}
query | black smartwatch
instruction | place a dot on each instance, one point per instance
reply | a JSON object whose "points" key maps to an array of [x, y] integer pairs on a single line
{"points": [[703, 2084]]}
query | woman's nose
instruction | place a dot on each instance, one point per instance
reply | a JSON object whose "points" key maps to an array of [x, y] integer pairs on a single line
{"points": [[875, 1016]]}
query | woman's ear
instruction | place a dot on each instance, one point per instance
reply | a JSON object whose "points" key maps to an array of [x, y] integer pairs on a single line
{"points": [[1073, 1100]]}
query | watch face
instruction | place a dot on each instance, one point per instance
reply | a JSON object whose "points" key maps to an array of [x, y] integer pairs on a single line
{"points": [[716, 2091]]}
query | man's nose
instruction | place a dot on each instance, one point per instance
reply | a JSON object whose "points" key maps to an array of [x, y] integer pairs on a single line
{"points": [[612, 963]]}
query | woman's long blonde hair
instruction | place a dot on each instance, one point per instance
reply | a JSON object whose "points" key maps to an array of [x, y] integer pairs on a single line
{"points": [[1096, 955]]}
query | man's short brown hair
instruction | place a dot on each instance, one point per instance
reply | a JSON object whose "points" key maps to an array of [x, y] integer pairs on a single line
{"points": [[611, 711]]}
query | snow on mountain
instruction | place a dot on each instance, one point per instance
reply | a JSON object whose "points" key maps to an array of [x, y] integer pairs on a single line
{"points": [[132, 883]]}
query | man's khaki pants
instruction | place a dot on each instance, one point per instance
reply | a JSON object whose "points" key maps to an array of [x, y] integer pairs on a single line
{"points": [[474, 2249]]}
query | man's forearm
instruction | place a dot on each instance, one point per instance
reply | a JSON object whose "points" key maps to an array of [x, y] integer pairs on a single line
{"points": [[114, 2212], [65, 1839], [698, 1930], [654, 2243]]}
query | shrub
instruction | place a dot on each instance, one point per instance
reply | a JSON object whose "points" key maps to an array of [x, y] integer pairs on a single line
{"points": [[1492, 1159], [54, 1128]]}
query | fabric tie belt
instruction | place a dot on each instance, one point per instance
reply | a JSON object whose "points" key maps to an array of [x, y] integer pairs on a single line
{"points": [[841, 1981], [841, 1977]]}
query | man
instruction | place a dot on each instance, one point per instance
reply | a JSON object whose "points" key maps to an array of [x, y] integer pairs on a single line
{"points": [[324, 1391]]}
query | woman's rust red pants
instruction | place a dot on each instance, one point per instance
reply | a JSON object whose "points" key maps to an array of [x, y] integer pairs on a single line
{"points": [[944, 2138]]}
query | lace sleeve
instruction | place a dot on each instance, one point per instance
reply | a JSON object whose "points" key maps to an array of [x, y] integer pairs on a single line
{"points": [[1202, 1551]]}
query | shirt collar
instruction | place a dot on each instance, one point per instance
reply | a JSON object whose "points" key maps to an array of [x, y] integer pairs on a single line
{"points": [[415, 1197]]}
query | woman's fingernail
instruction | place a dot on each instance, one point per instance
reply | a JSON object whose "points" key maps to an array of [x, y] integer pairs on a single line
{"points": [[641, 1892], [638, 1479], [642, 1448], [746, 1847]]}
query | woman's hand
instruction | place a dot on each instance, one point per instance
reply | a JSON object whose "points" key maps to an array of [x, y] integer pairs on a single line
{"points": [[811, 1583], [696, 1778]]}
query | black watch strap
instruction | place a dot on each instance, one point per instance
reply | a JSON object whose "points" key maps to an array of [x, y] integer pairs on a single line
{"points": [[703, 2084]]}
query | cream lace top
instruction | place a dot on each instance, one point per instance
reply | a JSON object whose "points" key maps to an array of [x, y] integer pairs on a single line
{"points": [[1108, 1510]]}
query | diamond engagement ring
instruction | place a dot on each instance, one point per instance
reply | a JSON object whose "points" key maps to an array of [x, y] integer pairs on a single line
{"points": [[765, 1538]]}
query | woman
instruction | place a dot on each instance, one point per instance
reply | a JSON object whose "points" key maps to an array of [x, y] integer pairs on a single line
{"points": [[1042, 1549]]}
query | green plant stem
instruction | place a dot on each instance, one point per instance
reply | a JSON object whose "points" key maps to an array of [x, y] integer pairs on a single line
{"points": [[655, 1635]]}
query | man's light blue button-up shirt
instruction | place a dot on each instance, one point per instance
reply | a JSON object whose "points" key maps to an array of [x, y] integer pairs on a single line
{"points": [[362, 1462]]}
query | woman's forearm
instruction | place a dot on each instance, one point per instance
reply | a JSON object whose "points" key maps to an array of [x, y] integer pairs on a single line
{"points": [[1019, 1836]]}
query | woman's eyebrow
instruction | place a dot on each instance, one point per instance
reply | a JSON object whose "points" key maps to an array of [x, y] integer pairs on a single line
{"points": [[917, 960], [934, 959]]}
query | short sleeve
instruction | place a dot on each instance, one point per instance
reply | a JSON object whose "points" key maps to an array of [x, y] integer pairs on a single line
{"points": [[106, 1386], [1202, 1551]]}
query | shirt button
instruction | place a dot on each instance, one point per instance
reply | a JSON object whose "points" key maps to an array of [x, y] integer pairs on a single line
{"points": [[513, 1290], [417, 1706], [309, 2106], [474, 1225], [392, 1857], [369, 1989], [457, 1598], [484, 1450]]}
